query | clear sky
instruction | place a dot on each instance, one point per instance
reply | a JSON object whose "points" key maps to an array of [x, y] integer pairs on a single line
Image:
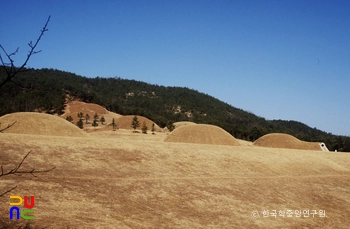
{"points": [[283, 59]]}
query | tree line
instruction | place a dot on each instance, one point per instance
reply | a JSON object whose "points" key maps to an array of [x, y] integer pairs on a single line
{"points": [[47, 90]]}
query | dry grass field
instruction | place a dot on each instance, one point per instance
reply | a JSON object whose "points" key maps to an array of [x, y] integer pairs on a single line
{"points": [[119, 179]]}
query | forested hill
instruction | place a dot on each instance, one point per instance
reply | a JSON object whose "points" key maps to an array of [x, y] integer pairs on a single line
{"points": [[47, 89]]}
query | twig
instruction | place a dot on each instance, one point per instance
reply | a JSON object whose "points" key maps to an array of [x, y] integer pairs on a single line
{"points": [[8, 126], [15, 171], [8, 191], [12, 71]]}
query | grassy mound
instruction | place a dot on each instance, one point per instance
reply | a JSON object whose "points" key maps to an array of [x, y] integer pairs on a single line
{"points": [[39, 124], [202, 134], [278, 140], [74, 107]]}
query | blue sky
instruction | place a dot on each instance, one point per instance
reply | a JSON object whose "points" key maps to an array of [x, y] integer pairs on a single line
{"points": [[279, 59]]}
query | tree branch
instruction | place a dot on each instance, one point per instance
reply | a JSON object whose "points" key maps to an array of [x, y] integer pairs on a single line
{"points": [[12, 71], [8, 126], [15, 171], [8, 191]]}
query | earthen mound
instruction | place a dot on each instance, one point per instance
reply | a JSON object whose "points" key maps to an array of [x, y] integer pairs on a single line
{"points": [[279, 140], [124, 122], [75, 107], [183, 123], [39, 124], [202, 134]]}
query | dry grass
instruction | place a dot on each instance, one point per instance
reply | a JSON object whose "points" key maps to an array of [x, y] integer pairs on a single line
{"points": [[74, 107], [124, 122], [183, 123], [123, 180], [278, 140], [41, 124], [120, 179], [202, 134]]}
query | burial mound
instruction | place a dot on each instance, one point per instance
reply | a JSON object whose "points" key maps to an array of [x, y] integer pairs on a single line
{"points": [[202, 134], [279, 140], [39, 124]]}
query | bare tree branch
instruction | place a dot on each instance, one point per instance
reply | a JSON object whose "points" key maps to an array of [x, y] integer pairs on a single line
{"points": [[12, 71], [7, 191], [8, 126], [15, 171]]}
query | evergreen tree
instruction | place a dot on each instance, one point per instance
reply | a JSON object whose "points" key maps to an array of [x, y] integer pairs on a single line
{"points": [[102, 120], [113, 124], [170, 126], [144, 127], [69, 118], [135, 123], [96, 116], [80, 124], [80, 115], [94, 124], [153, 128], [87, 118]]}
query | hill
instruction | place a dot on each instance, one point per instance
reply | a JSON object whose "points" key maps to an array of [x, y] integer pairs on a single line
{"points": [[48, 90]]}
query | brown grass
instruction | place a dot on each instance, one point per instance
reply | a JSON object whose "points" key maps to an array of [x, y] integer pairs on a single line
{"points": [[124, 122], [278, 140], [202, 134], [183, 123], [74, 107], [40, 124], [123, 180], [120, 179]]}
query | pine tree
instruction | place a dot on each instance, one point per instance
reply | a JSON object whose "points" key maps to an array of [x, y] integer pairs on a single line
{"points": [[80, 115], [80, 124], [153, 128], [144, 127], [170, 126], [87, 118], [135, 123], [95, 116], [113, 124], [69, 118], [94, 124], [102, 120]]}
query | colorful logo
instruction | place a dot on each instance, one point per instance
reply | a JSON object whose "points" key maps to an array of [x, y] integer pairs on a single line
{"points": [[28, 207]]}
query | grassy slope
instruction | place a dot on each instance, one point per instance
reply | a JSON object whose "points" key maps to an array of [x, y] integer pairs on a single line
{"points": [[123, 180]]}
